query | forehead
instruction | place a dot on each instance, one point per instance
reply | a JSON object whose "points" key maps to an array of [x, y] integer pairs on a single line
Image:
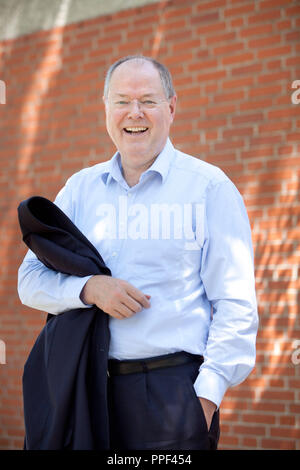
{"points": [[136, 76]]}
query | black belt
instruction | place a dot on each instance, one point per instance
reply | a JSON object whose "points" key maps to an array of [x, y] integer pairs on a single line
{"points": [[133, 366]]}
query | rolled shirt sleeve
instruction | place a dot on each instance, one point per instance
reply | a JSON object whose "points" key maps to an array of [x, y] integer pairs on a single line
{"points": [[227, 273]]}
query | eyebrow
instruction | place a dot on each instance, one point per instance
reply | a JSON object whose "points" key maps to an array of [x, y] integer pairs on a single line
{"points": [[146, 95]]}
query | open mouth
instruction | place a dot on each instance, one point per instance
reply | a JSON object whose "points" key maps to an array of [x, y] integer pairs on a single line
{"points": [[135, 130]]}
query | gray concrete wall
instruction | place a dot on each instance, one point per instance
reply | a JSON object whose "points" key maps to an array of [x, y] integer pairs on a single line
{"points": [[19, 17]]}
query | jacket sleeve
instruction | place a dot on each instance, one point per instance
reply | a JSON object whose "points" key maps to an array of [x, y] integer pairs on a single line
{"points": [[47, 290]]}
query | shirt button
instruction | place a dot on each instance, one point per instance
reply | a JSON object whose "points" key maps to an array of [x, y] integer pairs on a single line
{"points": [[114, 254]]}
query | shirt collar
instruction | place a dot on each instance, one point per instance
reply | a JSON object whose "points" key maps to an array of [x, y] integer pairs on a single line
{"points": [[161, 165]]}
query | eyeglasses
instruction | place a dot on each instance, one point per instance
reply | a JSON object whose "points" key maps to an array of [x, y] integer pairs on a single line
{"points": [[142, 104]]}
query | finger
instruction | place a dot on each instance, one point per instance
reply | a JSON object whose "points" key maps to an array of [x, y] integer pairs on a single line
{"points": [[132, 304], [116, 314], [123, 310], [144, 301], [138, 296]]}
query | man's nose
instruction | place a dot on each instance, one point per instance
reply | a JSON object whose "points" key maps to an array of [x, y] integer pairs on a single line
{"points": [[135, 109]]}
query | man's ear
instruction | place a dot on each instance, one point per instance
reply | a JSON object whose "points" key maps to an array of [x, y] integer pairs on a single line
{"points": [[172, 106]]}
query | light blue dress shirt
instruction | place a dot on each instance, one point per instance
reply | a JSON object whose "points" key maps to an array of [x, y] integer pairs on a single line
{"points": [[181, 235]]}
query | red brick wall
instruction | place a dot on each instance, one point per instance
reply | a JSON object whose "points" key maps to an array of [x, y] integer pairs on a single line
{"points": [[233, 63]]}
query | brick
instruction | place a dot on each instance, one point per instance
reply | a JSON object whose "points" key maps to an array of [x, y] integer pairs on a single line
{"points": [[264, 17], [273, 51], [250, 443], [203, 65], [292, 36], [278, 444], [211, 135], [140, 32], [232, 441], [274, 64], [229, 417], [293, 11], [243, 131], [259, 104], [236, 96], [271, 139], [247, 69], [259, 418], [273, 3], [192, 102], [246, 430], [130, 47], [189, 44], [275, 126], [228, 49], [203, 77], [283, 113], [202, 54], [254, 166], [212, 4], [256, 30], [186, 11], [213, 16], [238, 83], [284, 24], [241, 10], [239, 58], [266, 41], [237, 23], [211, 123], [211, 28], [219, 110], [220, 38], [247, 118], [272, 77], [287, 162], [285, 432]]}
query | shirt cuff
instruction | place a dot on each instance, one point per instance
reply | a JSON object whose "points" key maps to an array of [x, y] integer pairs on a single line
{"points": [[81, 286], [211, 386], [72, 291]]}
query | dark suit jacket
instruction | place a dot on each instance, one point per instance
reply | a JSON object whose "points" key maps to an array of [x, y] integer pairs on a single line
{"points": [[64, 380]]}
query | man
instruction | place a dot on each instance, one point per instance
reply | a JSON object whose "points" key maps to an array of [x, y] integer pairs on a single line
{"points": [[181, 299]]}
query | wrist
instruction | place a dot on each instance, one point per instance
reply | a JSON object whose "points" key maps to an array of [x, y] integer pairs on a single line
{"points": [[85, 294], [209, 405], [209, 408]]}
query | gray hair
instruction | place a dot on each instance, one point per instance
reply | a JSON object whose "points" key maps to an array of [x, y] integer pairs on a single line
{"points": [[164, 73]]}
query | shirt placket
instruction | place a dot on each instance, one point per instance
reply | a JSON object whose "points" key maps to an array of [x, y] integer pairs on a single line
{"points": [[120, 243]]}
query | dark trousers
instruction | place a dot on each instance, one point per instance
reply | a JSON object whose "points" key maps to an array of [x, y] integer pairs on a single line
{"points": [[159, 409]]}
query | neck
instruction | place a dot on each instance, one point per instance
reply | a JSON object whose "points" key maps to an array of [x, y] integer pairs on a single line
{"points": [[131, 178], [132, 174]]}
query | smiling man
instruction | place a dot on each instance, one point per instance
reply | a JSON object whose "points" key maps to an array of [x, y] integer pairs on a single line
{"points": [[139, 113], [182, 316]]}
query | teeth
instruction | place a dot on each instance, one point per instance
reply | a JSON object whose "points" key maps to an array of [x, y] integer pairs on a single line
{"points": [[135, 129]]}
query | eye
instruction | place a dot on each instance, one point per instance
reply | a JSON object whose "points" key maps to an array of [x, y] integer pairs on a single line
{"points": [[149, 103], [122, 102]]}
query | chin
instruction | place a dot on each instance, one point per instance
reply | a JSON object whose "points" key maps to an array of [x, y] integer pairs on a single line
{"points": [[136, 150]]}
